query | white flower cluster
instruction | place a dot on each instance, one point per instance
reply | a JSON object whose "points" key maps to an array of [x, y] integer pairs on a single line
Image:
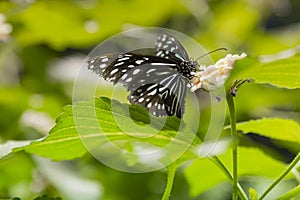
{"points": [[5, 28], [214, 76]]}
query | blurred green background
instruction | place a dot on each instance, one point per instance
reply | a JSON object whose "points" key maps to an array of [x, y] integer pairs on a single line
{"points": [[43, 43]]}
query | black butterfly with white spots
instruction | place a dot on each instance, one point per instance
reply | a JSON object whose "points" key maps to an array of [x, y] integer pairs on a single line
{"points": [[156, 78]]}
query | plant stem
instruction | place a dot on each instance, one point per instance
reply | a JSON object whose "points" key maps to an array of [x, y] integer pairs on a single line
{"points": [[290, 194], [288, 169], [219, 163], [170, 179], [231, 107]]}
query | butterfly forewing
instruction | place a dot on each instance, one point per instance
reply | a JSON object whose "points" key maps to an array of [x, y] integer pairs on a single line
{"points": [[169, 47]]}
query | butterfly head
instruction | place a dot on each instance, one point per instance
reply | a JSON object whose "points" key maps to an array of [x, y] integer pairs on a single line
{"points": [[188, 66]]}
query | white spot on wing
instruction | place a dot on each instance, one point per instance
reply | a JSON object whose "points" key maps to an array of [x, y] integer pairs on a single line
{"points": [[102, 66], [151, 87], [163, 73], [104, 59], [141, 100], [136, 71], [159, 105], [168, 64], [122, 59], [152, 93], [91, 66], [118, 64], [150, 70], [139, 62], [159, 53], [124, 77], [114, 71]]}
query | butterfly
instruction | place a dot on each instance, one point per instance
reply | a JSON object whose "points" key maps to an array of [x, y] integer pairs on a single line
{"points": [[157, 78]]}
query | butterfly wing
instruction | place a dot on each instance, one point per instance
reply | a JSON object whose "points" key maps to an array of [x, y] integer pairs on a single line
{"points": [[170, 48], [162, 92], [153, 82]]}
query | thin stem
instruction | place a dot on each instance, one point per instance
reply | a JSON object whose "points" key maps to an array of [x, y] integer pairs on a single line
{"points": [[288, 169], [219, 163], [290, 194], [170, 179], [231, 107]]}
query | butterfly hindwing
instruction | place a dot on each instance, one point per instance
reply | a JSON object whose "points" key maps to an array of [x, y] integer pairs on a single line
{"points": [[163, 97]]}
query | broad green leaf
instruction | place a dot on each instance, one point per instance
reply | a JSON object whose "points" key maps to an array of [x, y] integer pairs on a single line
{"points": [[202, 174], [284, 73], [7, 147], [92, 124], [281, 129], [281, 73]]}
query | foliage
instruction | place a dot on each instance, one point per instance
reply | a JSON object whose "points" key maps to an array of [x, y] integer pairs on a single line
{"points": [[37, 67]]}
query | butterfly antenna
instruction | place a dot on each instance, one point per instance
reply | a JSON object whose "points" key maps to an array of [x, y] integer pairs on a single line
{"points": [[219, 49]]}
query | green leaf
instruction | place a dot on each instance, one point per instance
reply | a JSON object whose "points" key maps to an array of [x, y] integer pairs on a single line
{"points": [[295, 192], [86, 23], [202, 175], [281, 129], [281, 73], [241, 70], [98, 122], [284, 73], [253, 194], [7, 148], [251, 162]]}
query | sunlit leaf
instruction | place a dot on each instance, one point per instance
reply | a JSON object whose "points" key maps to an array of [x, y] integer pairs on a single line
{"points": [[281, 129], [281, 73], [284, 73], [100, 121]]}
